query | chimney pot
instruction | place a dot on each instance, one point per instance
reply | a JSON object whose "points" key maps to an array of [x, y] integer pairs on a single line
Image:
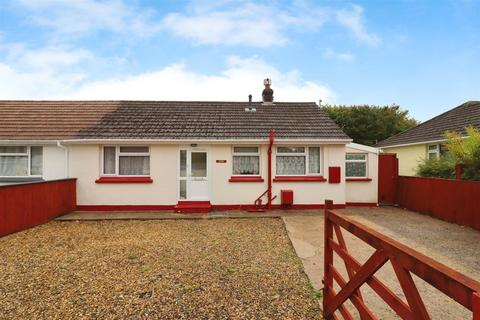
{"points": [[267, 93]]}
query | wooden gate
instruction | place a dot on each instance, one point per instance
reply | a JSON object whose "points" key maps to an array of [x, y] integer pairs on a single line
{"points": [[387, 178], [404, 260]]}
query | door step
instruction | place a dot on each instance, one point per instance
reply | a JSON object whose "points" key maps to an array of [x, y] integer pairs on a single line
{"points": [[193, 207]]}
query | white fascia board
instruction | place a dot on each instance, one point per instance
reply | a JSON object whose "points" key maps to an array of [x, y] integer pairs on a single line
{"points": [[363, 147], [204, 141], [176, 141], [29, 142], [413, 144]]}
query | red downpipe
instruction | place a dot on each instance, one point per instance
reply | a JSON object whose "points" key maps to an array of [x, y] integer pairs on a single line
{"points": [[269, 190]]}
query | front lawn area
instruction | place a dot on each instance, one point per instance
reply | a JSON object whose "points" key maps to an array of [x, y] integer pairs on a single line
{"points": [[202, 269]]}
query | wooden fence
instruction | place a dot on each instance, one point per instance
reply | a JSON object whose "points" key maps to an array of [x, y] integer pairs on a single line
{"points": [[29, 204], [404, 260], [456, 201]]}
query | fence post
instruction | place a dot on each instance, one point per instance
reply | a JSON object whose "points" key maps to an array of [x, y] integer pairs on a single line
{"points": [[458, 171], [476, 305], [327, 257]]}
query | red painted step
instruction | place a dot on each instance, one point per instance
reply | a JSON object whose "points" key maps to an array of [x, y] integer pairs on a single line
{"points": [[193, 207]]}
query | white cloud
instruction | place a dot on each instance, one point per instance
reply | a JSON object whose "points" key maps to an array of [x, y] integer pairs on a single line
{"points": [[41, 84], [175, 82], [230, 22], [249, 25], [353, 19], [260, 25], [67, 17], [329, 53], [27, 73], [52, 57], [241, 76]]}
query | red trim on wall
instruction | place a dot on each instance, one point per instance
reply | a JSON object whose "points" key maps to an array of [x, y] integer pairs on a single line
{"points": [[124, 207], [299, 179], [361, 204], [358, 179], [124, 180], [224, 207], [245, 179], [218, 207]]}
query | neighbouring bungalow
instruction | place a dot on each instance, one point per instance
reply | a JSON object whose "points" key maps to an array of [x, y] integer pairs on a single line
{"points": [[427, 140], [153, 155]]}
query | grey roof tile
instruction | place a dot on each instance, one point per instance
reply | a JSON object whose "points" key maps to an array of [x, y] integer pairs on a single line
{"points": [[456, 119], [50, 120]]}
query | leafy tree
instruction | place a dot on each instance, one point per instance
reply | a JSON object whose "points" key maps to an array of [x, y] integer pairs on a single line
{"points": [[367, 124], [461, 150], [466, 151]]}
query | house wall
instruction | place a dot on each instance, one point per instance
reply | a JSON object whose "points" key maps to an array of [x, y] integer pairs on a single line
{"points": [[85, 166], [364, 191], [408, 157], [54, 163], [318, 192], [226, 193], [54, 166]]}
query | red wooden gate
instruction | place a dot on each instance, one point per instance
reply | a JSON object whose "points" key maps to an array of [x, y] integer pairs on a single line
{"points": [[404, 260], [387, 178]]}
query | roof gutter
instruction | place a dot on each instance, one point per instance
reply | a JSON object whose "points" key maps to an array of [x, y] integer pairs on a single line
{"points": [[175, 141], [209, 141]]}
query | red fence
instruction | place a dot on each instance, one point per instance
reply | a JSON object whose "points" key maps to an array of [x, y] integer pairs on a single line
{"points": [[29, 204], [456, 201], [404, 260]]}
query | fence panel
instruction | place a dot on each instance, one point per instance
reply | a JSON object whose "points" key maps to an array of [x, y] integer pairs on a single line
{"points": [[450, 200], [26, 205]]}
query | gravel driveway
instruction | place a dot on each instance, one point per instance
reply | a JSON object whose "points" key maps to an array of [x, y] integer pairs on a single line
{"points": [[204, 269], [456, 246]]}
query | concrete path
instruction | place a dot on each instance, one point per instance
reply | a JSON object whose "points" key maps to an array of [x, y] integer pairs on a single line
{"points": [[170, 215], [453, 245]]}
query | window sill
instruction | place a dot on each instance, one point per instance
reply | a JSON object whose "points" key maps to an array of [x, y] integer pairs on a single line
{"points": [[124, 180], [245, 179], [299, 179], [358, 179]]}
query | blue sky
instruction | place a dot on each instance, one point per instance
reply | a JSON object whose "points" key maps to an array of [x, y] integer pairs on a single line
{"points": [[423, 55]]}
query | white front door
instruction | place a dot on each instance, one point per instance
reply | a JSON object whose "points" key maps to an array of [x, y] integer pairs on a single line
{"points": [[193, 175]]}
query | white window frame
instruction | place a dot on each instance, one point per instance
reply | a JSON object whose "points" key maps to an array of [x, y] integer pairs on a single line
{"points": [[248, 154], [357, 161], [436, 151], [28, 154], [119, 154], [306, 154]]}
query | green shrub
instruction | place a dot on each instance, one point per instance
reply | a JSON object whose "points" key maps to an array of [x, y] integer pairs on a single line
{"points": [[466, 151], [443, 167], [461, 150]]}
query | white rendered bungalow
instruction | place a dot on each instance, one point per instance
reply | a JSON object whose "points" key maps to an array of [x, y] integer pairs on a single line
{"points": [[191, 156]]}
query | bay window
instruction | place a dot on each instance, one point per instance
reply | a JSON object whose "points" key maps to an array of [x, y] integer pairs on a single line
{"points": [[21, 161], [356, 165], [296, 161], [126, 161], [246, 161]]}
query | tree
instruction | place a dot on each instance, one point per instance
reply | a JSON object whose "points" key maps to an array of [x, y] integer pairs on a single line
{"points": [[466, 151], [367, 124], [461, 150]]}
